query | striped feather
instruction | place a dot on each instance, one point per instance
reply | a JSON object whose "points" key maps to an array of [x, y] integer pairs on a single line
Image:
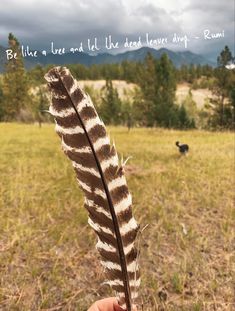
{"points": [[107, 199]]}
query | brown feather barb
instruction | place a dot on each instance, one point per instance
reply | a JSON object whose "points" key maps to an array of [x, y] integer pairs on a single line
{"points": [[107, 199]]}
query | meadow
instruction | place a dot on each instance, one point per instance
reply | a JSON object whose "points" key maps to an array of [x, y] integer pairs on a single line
{"points": [[185, 206]]}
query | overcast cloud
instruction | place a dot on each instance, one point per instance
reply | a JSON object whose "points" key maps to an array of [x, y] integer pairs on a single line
{"points": [[68, 22]]}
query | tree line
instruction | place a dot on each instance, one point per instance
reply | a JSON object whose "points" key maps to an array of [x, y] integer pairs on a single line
{"points": [[23, 95], [126, 70]]}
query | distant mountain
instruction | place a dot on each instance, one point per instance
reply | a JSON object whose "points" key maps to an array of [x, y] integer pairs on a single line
{"points": [[178, 58]]}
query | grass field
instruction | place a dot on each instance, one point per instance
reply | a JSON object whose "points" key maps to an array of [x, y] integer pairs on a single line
{"points": [[47, 256], [125, 91]]}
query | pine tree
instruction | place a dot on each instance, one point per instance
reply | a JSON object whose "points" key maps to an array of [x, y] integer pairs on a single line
{"points": [[36, 75], [165, 93], [15, 83], [192, 73], [157, 82], [223, 111], [111, 105], [147, 80], [225, 57], [184, 121], [141, 108], [127, 117], [41, 105]]}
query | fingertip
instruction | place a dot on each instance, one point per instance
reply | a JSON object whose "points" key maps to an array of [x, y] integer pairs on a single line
{"points": [[118, 308]]}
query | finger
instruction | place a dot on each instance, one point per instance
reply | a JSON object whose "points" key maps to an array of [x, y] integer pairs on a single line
{"points": [[118, 308], [107, 304]]}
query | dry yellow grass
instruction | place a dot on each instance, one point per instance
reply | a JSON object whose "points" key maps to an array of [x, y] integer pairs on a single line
{"points": [[125, 91], [47, 256], [199, 96]]}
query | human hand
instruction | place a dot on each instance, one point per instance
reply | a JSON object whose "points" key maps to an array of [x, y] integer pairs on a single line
{"points": [[107, 304]]}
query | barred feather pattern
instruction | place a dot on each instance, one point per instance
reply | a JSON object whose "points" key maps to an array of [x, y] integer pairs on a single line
{"points": [[101, 178]]}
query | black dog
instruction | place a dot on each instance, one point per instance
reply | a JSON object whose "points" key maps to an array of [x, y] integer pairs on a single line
{"points": [[183, 148]]}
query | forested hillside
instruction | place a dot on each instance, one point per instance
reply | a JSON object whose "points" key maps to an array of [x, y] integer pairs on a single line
{"points": [[152, 100]]}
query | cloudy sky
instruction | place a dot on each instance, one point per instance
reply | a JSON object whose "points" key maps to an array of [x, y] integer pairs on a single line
{"points": [[69, 22]]}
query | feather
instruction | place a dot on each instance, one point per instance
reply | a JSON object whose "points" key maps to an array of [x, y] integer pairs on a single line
{"points": [[86, 143]]}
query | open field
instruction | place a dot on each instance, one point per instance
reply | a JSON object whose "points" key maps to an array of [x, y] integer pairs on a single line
{"points": [[47, 256], [199, 96], [126, 90]]}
